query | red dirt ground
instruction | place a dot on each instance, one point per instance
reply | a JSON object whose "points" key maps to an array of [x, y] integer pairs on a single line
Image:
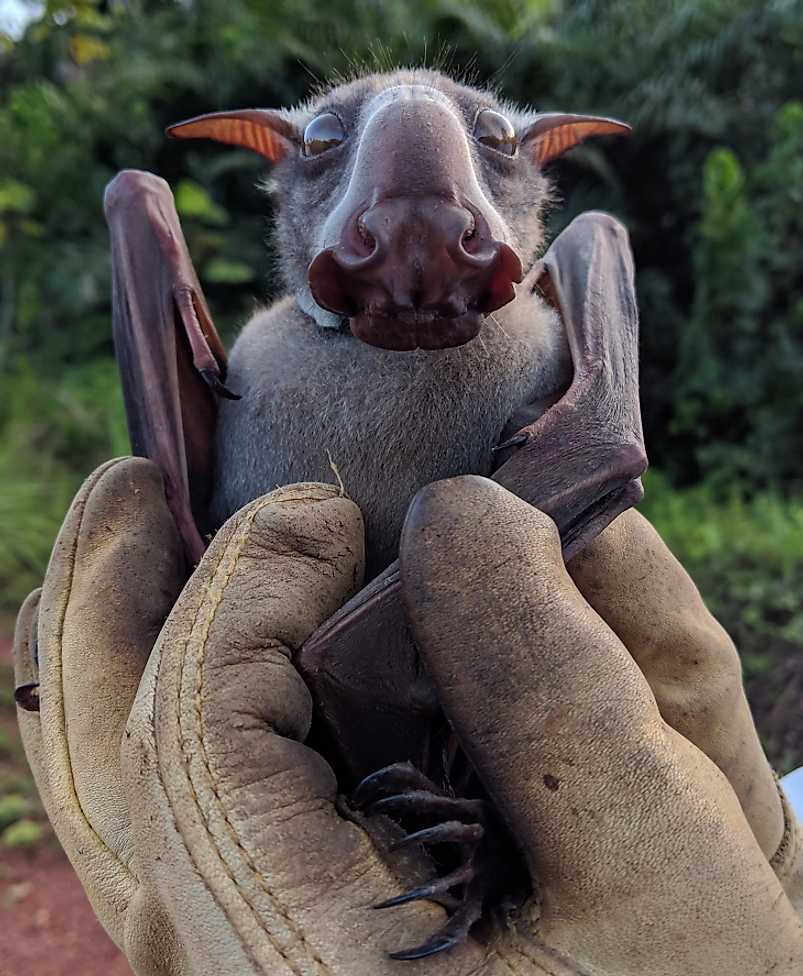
{"points": [[47, 927]]}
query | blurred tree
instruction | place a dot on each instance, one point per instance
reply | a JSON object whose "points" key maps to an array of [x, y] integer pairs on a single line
{"points": [[739, 392], [709, 186]]}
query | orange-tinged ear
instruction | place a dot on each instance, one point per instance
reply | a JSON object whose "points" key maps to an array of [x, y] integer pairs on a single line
{"points": [[264, 130], [554, 132]]}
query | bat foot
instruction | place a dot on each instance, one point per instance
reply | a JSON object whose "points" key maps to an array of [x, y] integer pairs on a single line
{"points": [[468, 843]]}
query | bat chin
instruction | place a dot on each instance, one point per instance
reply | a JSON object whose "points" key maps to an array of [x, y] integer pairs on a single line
{"points": [[418, 330]]}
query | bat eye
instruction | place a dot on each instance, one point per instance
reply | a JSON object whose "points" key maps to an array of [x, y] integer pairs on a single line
{"points": [[323, 133], [494, 130]]}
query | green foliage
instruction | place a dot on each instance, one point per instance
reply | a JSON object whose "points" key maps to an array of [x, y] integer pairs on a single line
{"points": [[745, 553], [51, 434], [695, 79], [710, 185], [740, 391], [22, 833], [13, 806]]}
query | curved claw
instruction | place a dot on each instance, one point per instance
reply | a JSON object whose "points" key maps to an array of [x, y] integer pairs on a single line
{"points": [[440, 886], [399, 777], [417, 894], [451, 934], [213, 380], [450, 831], [423, 801], [401, 790], [437, 943]]}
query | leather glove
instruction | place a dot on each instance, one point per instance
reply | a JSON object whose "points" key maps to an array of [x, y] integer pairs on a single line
{"points": [[641, 591], [206, 832]]}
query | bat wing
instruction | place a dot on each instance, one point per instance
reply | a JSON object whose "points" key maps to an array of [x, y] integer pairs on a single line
{"points": [[579, 461], [172, 363], [374, 700]]}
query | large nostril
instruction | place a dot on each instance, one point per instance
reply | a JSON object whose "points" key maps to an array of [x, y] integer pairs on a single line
{"points": [[367, 239], [470, 240], [466, 236], [331, 285]]}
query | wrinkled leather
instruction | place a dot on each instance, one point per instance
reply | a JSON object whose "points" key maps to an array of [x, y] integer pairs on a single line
{"points": [[694, 672], [644, 860], [205, 831], [115, 572], [646, 597]]}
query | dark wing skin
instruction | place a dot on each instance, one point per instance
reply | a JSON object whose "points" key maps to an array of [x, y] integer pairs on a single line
{"points": [[374, 701], [579, 462], [172, 363], [582, 460]]}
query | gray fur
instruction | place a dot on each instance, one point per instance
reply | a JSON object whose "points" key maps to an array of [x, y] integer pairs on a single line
{"points": [[391, 421], [516, 187]]}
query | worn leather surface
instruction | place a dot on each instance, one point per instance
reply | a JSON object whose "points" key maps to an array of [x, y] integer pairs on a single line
{"points": [[217, 847], [646, 597], [212, 843], [645, 861], [115, 572]]}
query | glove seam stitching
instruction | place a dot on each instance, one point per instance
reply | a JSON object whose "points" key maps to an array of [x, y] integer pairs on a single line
{"points": [[59, 638], [208, 607]]}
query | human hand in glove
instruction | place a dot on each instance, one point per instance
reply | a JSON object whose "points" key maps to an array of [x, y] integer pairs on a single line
{"points": [[206, 832]]}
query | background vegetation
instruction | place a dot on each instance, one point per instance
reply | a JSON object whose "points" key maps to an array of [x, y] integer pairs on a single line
{"points": [[710, 186]]}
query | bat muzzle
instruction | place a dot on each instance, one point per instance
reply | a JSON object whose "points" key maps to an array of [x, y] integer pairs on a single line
{"points": [[415, 273]]}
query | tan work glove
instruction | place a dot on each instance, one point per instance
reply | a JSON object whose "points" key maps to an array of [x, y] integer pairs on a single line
{"points": [[640, 590], [212, 845]]}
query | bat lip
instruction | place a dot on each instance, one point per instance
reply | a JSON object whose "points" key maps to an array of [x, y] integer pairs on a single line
{"points": [[421, 331], [395, 303]]}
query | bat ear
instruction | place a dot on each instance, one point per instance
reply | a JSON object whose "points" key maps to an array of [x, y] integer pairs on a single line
{"points": [[551, 134], [264, 130]]}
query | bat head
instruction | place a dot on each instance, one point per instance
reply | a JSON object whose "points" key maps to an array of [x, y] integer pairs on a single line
{"points": [[407, 203]]}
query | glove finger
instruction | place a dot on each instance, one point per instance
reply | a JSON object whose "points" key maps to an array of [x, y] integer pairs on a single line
{"points": [[236, 828], [116, 569], [644, 861], [26, 680], [26, 693], [645, 596]]}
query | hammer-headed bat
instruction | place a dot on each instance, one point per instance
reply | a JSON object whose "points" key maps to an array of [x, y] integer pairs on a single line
{"points": [[411, 346]]}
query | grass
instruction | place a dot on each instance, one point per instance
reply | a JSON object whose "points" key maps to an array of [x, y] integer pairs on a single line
{"points": [[745, 554], [52, 435]]}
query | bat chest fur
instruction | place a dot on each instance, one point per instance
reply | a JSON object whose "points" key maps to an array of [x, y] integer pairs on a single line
{"points": [[391, 422]]}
